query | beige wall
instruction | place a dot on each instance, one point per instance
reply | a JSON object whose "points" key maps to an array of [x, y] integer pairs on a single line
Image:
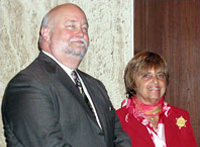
{"points": [[111, 29]]}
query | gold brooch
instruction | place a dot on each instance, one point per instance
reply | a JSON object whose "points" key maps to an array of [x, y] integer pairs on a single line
{"points": [[181, 122]]}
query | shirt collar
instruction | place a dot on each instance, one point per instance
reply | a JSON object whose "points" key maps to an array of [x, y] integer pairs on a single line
{"points": [[65, 68]]}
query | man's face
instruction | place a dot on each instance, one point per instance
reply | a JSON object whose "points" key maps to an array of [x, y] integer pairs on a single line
{"points": [[69, 36]]}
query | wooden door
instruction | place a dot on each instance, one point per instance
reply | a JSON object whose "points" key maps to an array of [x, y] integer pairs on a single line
{"points": [[172, 29]]}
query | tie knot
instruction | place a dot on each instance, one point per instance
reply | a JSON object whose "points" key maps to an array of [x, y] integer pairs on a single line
{"points": [[76, 79], [77, 82], [74, 75]]}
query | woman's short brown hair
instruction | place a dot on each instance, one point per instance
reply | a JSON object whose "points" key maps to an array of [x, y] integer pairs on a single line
{"points": [[143, 62]]}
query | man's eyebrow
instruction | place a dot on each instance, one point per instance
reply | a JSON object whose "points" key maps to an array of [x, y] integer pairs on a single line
{"points": [[75, 21]]}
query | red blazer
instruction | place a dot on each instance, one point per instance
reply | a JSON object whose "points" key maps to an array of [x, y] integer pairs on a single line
{"points": [[175, 137]]}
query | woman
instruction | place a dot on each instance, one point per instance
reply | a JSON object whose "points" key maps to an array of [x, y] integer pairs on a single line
{"points": [[146, 117]]}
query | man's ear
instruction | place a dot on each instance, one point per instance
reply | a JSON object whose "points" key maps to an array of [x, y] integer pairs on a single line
{"points": [[45, 33]]}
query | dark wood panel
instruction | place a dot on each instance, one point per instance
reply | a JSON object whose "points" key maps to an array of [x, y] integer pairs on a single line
{"points": [[172, 29], [140, 26]]}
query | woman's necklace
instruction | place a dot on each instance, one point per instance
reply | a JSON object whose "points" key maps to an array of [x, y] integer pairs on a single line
{"points": [[153, 120]]}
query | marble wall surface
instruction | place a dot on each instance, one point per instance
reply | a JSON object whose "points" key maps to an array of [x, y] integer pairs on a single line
{"points": [[111, 40]]}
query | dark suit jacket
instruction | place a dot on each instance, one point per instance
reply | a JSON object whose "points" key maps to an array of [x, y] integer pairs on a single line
{"points": [[175, 137], [43, 108]]}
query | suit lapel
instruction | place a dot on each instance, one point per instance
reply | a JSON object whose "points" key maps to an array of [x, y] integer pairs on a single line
{"points": [[100, 106], [68, 83], [62, 77], [92, 90]]}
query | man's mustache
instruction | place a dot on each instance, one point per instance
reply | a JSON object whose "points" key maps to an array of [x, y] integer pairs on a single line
{"points": [[84, 42]]}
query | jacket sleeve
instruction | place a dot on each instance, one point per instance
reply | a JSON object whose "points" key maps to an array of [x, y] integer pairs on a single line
{"points": [[29, 115], [121, 138], [188, 133]]}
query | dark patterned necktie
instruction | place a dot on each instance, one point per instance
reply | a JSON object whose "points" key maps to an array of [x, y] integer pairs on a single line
{"points": [[80, 88]]}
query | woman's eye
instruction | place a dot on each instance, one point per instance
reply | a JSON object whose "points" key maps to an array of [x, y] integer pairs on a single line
{"points": [[146, 76], [161, 76]]}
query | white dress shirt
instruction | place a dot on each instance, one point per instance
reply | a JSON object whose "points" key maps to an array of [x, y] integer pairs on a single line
{"points": [[159, 138]]}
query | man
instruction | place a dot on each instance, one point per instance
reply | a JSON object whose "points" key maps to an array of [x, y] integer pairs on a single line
{"points": [[44, 105]]}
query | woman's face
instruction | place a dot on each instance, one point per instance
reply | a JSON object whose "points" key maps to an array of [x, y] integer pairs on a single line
{"points": [[150, 86]]}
